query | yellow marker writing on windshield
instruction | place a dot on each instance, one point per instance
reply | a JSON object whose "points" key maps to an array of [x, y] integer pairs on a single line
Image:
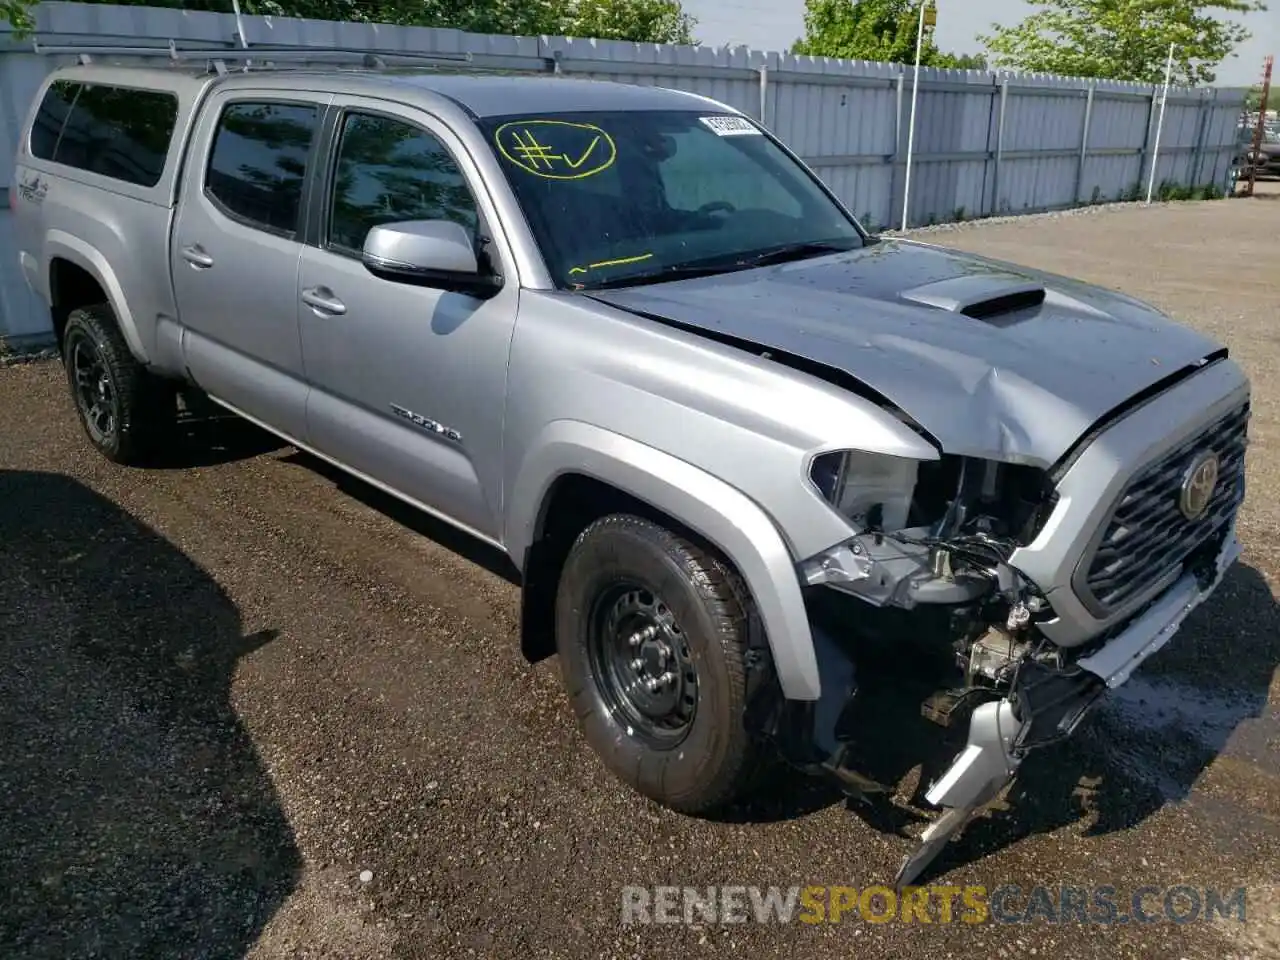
{"points": [[556, 149], [582, 159], [620, 262]]}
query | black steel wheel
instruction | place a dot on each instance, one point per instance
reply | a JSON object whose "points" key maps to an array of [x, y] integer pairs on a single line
{"points": [[126, 412], [643, 663], [654, 634]]}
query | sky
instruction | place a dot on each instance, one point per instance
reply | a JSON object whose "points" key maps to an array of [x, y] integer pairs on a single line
{"points": [[775, 24]]}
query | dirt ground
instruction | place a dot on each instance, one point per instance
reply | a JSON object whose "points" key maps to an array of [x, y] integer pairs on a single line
{"points": [[250, 707]]}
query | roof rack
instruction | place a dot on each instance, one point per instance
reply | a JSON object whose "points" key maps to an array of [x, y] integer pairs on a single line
{"points": [[257, 55]]}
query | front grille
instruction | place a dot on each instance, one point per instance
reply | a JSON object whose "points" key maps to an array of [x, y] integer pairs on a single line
{"points": [[1148, 536]]}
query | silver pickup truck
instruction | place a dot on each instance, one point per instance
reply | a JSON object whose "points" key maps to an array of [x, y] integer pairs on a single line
{"points": [[756, 465]]}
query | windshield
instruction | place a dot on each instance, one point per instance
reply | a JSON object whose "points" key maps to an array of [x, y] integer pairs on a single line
{"points": [[644, 196]]}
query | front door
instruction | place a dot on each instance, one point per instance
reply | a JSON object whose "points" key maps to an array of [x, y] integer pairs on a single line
{"points": [[235, 252], [408, 382]]}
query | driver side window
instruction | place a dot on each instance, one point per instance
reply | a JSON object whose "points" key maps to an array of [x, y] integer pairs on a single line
{"points": [[389, 171], [708, 169]]}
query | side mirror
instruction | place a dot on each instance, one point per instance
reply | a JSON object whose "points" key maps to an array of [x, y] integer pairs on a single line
{"points": [[429, 253]]}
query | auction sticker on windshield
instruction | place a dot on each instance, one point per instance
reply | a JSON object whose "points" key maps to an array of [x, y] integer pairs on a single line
{"points": [[730, 126]]}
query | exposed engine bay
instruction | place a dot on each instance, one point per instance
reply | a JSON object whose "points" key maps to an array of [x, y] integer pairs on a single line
{"points": [[941, 535], [932, 532]]}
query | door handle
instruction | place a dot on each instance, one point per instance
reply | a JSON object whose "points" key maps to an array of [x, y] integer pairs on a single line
{"points": [[322, 300], [196, 256]]}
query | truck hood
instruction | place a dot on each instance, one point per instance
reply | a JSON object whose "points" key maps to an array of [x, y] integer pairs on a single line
{"points": [[993, 360]]}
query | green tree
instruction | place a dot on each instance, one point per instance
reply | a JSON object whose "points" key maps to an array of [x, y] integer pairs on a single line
{"points": [[1123, 39], [655, 21], [1254, 98], [651, 21], [18, 14], [881, 30]]}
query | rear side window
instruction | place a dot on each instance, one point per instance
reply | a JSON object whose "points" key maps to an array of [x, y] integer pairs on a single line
{"points": [[53, 112], [118, 132], [259, 162]]}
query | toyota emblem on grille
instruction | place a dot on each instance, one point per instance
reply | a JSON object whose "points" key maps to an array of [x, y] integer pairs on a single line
{"points": [[1197, 486]]}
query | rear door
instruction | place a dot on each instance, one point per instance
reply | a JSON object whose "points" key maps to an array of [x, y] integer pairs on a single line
{"points": [[236, 250]]}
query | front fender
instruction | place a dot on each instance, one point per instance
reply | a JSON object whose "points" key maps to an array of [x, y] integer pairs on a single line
{"points": [[707, 505], [59, 244]]}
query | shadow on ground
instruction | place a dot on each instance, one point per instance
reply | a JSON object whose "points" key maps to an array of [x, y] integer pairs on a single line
{"points": [[136, 817], [208, 435], [409, 517]]}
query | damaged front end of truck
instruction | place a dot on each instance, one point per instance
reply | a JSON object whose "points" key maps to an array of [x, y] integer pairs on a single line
{"points": [[1089, 468], [941, 602]]}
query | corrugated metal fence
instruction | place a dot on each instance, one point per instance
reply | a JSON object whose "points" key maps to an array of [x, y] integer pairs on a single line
{"points": [[986, 143]]}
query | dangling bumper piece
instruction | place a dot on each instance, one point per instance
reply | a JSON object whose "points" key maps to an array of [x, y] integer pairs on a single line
{"points": [[1047, 704]]}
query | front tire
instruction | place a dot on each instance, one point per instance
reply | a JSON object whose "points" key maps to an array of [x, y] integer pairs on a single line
{"points": [[653, 633], [127, 413]]}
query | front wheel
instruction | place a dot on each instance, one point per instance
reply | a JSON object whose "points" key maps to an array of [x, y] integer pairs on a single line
{"points": [[653, 636]]}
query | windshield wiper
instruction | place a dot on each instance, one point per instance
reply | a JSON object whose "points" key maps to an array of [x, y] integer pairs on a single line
{"points": [[689, 272], [784, 254], [797, 251]]}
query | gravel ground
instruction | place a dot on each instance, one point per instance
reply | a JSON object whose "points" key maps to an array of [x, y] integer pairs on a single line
{"points": [[253, 708]]}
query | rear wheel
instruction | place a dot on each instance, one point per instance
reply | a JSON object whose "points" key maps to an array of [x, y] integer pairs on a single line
{"points": [[126, 412], [653, 636]]}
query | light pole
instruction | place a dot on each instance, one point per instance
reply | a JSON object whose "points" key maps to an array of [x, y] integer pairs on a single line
{"points": [[927, 12], [235, 8], [1164, 101]]}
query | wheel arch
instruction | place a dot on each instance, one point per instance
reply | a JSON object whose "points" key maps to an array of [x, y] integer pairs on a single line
{"points": [[590, 471], [73, 264]]}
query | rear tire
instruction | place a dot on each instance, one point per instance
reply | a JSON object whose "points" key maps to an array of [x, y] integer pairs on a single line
{"points": [[127, 413], [653, 636]]}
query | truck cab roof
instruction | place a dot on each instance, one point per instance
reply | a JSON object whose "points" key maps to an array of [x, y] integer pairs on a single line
{"points": [[480, 95]]}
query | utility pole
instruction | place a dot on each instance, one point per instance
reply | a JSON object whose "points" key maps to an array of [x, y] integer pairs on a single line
{"points": [[1164, 102], [1256, 150], [928, 14]]}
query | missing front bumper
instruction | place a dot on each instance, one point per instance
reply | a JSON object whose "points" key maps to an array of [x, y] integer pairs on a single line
{"points": [[1048, 704]]}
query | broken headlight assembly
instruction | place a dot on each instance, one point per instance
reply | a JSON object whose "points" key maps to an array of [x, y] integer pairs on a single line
{"points": [[871, 490], [952, 495], [938, 531]]}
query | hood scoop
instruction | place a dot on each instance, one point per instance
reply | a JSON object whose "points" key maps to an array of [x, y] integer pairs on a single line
{"points": [[982, 296]]}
